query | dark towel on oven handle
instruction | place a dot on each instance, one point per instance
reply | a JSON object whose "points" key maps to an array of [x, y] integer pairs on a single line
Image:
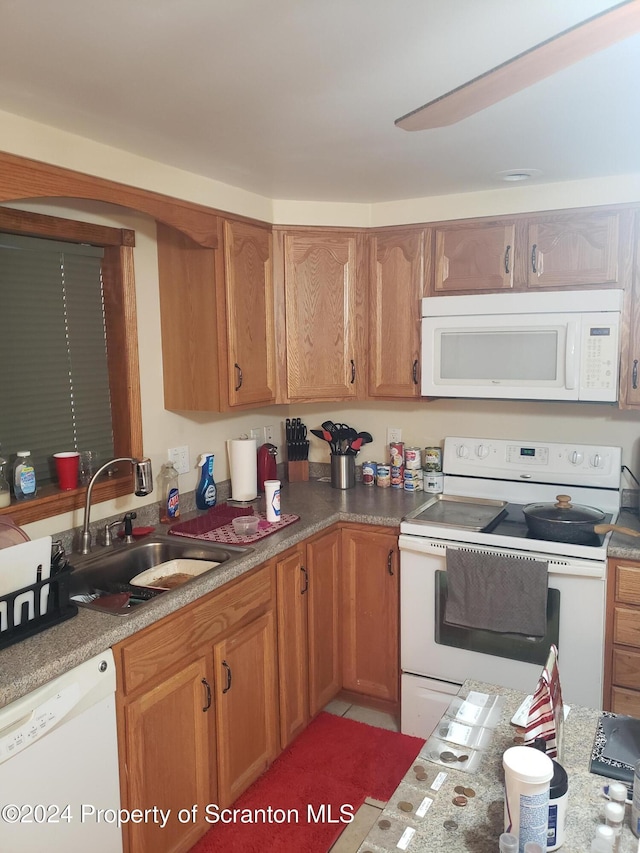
{"points": [[495, 592]]}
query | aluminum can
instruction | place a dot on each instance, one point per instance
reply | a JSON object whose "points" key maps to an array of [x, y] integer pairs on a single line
{"points": [[396, 453], [433, 482], [369, 472], [397, 476], [383, 476], [412, 458], [412, 480], [432, 459]]}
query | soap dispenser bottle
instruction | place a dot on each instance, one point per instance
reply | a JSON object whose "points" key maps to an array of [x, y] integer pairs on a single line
{"points": [[206, 493], [169, 494]]}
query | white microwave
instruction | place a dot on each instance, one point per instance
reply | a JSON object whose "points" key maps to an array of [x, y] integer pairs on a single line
{"points": [[560, 345]]}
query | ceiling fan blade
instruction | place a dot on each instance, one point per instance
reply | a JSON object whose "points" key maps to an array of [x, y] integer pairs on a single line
{"points": [[525, 69]]}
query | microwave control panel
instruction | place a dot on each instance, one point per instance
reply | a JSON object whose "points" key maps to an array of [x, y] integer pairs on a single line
{"points": [[599, 357]]}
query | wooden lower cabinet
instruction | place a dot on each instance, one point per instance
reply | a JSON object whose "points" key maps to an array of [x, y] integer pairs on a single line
{"points": [[370, 612], [622, 650], [197, 709]]}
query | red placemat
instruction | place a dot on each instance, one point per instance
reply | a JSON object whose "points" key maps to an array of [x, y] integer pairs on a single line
{"points": [[216, 525]]}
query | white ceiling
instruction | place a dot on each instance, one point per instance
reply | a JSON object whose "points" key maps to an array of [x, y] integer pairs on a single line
{"points": [[296, 99]]}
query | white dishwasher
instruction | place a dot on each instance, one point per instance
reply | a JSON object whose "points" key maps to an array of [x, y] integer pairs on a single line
{"points": [[59, 786]]}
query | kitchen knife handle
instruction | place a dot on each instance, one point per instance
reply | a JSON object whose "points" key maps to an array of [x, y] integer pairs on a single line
{"points": [[228, 668], [390, 562], [353, 371], [239, 369], [415, 372], [208, 689], [306, 580]]}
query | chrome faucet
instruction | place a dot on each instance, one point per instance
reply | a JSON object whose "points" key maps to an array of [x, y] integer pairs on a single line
{"points": [[144, 486]]}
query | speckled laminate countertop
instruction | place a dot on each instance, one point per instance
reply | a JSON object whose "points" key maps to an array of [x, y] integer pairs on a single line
{"points": [[480, 822], [36, 660]]}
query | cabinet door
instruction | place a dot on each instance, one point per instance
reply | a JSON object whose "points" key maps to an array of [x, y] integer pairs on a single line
{"points": [[474, 257], [249, 314], [579, 250], [188, 310], [370, 623], [170, 757], [396, 285], [323, 565], [246, 706], [293, 648], [324, 316]]}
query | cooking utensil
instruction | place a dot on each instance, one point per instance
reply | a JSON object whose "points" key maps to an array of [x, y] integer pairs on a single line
{"points": [[567, 522]]}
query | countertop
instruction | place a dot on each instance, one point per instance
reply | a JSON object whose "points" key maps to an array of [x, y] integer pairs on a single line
{"points": [[480, 822], [37, 660]]}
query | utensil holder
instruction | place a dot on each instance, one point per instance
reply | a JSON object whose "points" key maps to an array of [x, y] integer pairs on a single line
{"points": [[343, 472]]}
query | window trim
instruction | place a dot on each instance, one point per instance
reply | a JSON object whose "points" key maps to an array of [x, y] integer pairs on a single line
{"points": [[123, 362]]}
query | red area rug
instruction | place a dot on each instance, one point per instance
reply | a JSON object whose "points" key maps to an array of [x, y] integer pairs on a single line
{"points": [[312, 790]]}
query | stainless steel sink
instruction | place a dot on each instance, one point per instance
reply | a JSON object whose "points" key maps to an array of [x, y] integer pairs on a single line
{"points": [[100, 581]]}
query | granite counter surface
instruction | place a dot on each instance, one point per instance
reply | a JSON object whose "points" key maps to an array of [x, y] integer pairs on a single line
{"points": [[37, 660], [477, 826]]}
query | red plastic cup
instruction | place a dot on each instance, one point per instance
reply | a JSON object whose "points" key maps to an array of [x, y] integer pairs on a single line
{"points": [[67, 465]]}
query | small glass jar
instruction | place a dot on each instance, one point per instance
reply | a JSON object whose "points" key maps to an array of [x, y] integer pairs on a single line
{"points": [[5, 489]]}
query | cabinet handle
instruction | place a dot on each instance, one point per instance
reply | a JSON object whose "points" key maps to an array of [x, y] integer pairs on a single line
{"points": [[415, 372], [534, 250], [228, 668], [306, 580], [390, 562], [239, 369], [208, 689], [507, 260], [634, 374], [353, 371]]}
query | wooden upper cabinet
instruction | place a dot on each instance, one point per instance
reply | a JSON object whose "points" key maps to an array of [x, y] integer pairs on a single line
{"points": [[188, 310], [580, 249], [474, 257], [397, 273], [324, 309], [248, 315]]}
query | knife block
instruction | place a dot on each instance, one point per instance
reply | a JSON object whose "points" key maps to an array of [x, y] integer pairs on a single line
{"points": [[298, 472]]}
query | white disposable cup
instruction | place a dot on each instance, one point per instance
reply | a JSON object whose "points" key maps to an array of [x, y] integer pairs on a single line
{"points": [[272, 498], [527, 774]]}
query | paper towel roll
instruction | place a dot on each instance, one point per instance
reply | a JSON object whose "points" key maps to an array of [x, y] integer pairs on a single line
{"points": [[243, 464]]}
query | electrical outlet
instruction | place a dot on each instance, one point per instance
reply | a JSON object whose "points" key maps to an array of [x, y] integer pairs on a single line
{"points": [[268, 434], [393, 434], [180, 458], [255, 433]]}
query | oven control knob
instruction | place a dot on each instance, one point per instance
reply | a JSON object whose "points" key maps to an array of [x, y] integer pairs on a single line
{"points": [[576, 457], [597, 460], [462, 451], [482, 451]]}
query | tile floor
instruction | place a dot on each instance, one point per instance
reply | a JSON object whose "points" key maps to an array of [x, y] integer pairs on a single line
{"points": [[354, 834]]}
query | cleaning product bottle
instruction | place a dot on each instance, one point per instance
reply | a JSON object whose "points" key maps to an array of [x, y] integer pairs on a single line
{"points": [[24, 476], [169, 494], [206, 493], [5, 491]]}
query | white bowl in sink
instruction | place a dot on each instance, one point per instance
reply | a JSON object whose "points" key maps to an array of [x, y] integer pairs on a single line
{"points": [[172, 573]]}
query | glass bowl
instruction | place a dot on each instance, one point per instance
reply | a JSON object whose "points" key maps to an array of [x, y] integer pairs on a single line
{"points": [[245, 525]]}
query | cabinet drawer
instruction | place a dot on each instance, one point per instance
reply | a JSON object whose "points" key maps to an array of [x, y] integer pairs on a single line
{"points": [[626, 626], [626, 668], [628, 584], [625, 701], [145, 657]]}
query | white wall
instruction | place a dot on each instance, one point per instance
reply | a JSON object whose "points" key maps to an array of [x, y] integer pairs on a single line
{"points": [[422, 423]]}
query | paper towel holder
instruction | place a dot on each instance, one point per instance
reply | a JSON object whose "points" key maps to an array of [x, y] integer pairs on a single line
{"points": [[250, 475]]}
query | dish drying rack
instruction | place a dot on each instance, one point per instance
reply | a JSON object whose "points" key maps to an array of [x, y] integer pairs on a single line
{"points": [[47, 601]]}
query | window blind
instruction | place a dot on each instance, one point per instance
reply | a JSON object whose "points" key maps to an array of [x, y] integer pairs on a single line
{"points": [[54, 382]]}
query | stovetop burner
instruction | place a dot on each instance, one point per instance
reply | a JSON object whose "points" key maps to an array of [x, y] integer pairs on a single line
{"points": [[512, 523]]}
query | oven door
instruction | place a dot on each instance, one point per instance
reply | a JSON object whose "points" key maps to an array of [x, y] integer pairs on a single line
{"points": [[429, 651]]}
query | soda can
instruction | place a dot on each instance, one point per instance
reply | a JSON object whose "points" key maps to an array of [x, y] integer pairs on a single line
{"points": [[397, 476], [369, 473], [383, 476], [396, 453], [434, 482], [433, 459], [412, 458]]}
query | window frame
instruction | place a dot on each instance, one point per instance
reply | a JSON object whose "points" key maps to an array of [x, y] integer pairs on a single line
{"points": [[122, 345]]}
